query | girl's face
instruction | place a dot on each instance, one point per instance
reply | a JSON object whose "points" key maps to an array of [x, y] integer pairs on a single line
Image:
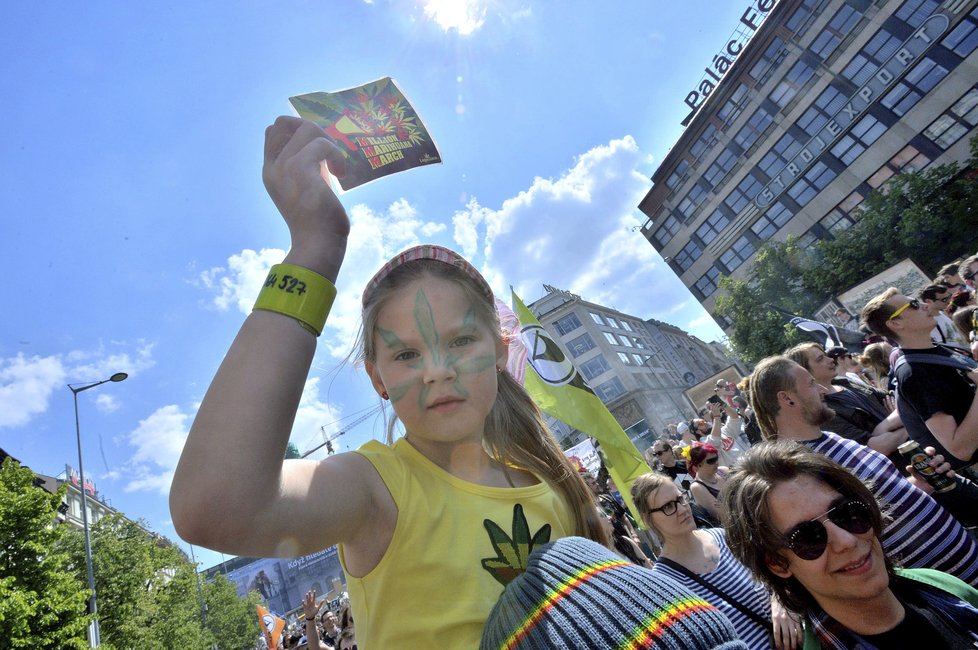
{"points": [[436, 361], [708, 467]]}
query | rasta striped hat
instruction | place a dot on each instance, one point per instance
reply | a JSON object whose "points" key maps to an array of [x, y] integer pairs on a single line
{"points": [[428, 252], [577, 594]]}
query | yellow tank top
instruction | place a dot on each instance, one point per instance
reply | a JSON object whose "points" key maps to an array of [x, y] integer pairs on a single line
{"points": [[454, 547]]}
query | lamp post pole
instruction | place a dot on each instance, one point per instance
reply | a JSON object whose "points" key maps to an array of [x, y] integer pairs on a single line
{"points": [[94, 639]]}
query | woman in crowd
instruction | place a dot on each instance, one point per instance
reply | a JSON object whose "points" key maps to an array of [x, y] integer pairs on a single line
{"points": [[708, 477], [876, 357], [810, 530], [700, 560]]}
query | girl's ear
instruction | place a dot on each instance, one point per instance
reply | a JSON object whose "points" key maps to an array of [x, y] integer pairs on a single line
{"points": [[502, 353], [374, 375]]}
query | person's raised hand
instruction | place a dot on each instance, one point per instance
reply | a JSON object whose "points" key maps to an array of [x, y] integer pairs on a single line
{"points": [[296, 151], [309, 606]]}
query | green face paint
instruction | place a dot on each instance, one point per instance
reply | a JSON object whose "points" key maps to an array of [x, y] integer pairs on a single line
{"points": [[432, 356]]}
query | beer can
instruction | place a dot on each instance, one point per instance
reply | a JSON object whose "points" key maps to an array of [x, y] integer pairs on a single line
{"points": [[920, 461]]}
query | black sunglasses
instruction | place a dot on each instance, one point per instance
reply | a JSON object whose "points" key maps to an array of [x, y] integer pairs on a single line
{"points": [[669, 507], [660, 452], [711, 461], [808, 539], [969, 275]]}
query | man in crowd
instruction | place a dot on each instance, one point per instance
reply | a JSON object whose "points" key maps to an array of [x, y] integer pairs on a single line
{"points": [[935, 385], [859, 412], [969, 272], [812, 532], [935, 297], [789, 404], [668, 464], [951, 276]]}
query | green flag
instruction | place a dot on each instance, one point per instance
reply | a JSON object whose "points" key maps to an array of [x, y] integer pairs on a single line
{"points": [[560, 391]]}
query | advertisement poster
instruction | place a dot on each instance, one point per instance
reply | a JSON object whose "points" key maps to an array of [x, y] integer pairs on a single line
{"points": [[375, 127]]}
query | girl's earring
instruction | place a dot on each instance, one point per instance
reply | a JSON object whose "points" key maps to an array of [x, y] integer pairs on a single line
{"points": [[498, 370], [385, 396]]}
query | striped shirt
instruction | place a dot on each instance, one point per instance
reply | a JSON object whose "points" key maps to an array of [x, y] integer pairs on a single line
{"points": [[734, 579], [917, 531]]}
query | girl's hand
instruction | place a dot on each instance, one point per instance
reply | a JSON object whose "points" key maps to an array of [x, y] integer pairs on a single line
{"points": [[785, 626], [296, 151]]}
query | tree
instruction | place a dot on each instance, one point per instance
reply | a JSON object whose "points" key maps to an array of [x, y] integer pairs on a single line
{"points": [[291, 451], [774, 282], [230, 618], [42, 597]]}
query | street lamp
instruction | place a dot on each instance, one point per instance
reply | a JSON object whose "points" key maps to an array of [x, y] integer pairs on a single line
{"points": [[94, 640]]}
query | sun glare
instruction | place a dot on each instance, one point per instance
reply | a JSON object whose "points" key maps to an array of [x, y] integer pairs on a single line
{"points": [[465, 16]]}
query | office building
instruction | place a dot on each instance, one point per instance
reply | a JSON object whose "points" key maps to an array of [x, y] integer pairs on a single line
{"points": [[810, 106]]}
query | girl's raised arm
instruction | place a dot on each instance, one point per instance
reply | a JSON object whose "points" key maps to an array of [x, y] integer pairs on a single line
{"points": [[232, 491]]}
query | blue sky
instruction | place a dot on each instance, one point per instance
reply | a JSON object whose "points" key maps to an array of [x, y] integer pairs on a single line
{"points": [[136, 231]]}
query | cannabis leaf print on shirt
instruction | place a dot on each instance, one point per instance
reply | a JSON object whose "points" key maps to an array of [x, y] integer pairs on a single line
{"points": [[512, 552]]}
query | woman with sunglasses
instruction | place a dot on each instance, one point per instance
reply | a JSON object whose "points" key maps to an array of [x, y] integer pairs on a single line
{"points": [[708, 477], [700, 560], [809, 529]]}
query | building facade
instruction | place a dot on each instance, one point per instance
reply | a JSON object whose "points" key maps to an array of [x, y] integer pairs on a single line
{"points": [[809, 107], [638, 368]]}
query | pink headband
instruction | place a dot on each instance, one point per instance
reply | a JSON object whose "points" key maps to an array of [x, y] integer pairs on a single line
{"points": [[428, 252]]}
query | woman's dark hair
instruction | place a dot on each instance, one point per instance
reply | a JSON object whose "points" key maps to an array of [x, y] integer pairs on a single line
{"points": [[745, 510], [699, 452]]}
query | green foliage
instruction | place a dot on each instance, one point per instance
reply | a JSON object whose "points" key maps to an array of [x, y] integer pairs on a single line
{"points": [[291, 451], [42, 600], [231, 620], [759, 330]]}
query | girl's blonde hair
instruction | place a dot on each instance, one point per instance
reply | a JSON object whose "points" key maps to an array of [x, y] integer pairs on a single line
{"points": [[876, 357], [515, 433], [642, 489]]}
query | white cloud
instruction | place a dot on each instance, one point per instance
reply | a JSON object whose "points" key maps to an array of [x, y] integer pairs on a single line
{"points": [[26, 385], [464, 16], [243, 278]]}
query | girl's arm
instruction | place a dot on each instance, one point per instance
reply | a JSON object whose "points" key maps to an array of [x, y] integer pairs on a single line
{"points": [[704, 499], [231, 490]]}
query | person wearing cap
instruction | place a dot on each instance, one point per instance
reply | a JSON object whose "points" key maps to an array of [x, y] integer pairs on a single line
{"points": [[578, 595], [810, 530], [428, 526]]}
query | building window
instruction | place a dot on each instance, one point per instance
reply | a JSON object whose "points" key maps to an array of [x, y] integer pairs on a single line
{"points": [[611, 338], [862, 135], [678, 175], [838, 28], [716, 172], [836, 221], [811, 183], [597, 318], [670, 226], [913, 12], [613, 322], [693, 199], [825, 107], [908, 159], [964, 38], [703, 144], [772, 221], [737, 254], [567, 324], [594, 367], [744, 193], [919, 81], [580, 345], [955, 122], [689, 254], [773, 55], [791, 83], [625, 325], [712, 227], [732, 107], [707, 284], [801, 15], [783, 151], [880, 48], [638, 360], [610, 389], [750, 132]]}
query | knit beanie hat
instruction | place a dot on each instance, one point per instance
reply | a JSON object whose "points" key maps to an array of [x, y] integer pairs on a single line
{"points": [[577, 594]]}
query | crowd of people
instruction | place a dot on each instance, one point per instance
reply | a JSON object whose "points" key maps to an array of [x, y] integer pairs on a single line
{"points": [[782, 516]]}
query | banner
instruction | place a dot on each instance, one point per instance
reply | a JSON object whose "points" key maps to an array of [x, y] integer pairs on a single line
{"points": [[271, 626], [559, 390]]}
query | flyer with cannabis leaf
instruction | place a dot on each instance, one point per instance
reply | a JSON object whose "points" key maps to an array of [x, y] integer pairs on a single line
{"points": [[375, 127]]}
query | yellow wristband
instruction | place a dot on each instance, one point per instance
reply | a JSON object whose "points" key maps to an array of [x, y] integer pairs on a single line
{"points": [[298, 292]]}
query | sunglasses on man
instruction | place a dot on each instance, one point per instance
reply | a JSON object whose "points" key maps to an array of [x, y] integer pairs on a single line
{"points": [[913, 304], [659, 452], [809, 539], [969, 275]]}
